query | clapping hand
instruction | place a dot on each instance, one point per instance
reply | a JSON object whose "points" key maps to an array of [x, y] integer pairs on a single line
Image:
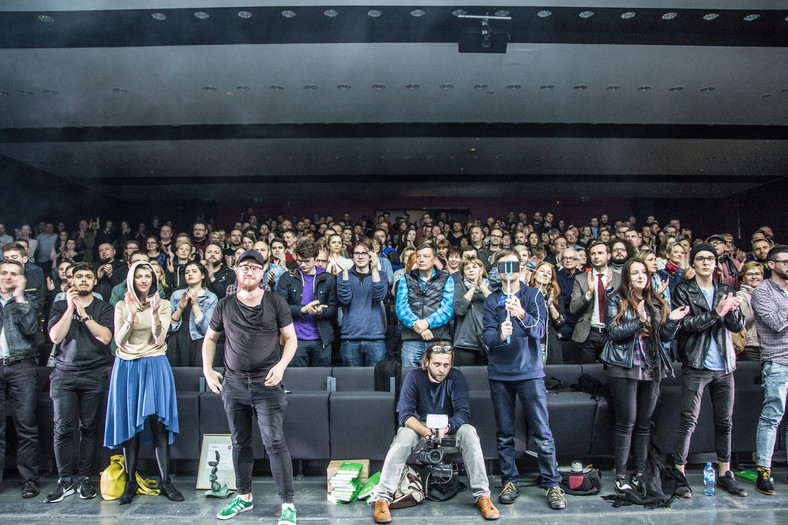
{"points": [[679, 313]]}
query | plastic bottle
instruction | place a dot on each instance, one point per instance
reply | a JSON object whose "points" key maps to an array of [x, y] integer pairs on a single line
{"points": [[708, 479]]}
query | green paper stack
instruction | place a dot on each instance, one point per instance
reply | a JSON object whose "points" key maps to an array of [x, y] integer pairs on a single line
{"points": [[366, 489], [345, 482]]}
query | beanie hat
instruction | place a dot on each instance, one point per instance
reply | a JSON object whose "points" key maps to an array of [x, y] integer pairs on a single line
{"points": [[702, 247]]}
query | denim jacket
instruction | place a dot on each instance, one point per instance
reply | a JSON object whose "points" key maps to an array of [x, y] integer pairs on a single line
{"points": [[206, 302], [21, 325]]}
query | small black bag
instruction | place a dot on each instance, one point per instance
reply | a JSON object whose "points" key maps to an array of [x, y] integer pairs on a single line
{"points": [[439, 489], [585, 483]]}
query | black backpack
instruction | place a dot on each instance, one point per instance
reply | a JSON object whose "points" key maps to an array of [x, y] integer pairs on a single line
{"points": [[436, 489], [385, 369]]}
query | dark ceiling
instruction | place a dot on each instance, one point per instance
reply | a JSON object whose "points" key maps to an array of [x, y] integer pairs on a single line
{"points": [[176, 98]]}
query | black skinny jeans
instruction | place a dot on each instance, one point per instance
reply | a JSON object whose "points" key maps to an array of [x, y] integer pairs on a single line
{"points": [[633, 406]]}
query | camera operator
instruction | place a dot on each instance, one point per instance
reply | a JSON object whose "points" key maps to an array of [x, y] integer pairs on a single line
{"points": [[434, 389]]}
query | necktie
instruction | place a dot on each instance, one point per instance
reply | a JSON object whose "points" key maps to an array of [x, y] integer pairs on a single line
{"points": [[600, 297]]}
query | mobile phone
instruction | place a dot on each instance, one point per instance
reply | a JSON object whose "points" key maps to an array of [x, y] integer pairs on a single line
{"points": [[530, 265], [508, 267]]}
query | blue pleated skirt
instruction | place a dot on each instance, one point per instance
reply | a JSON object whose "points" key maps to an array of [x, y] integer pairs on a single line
{"points": [[140, 388]]}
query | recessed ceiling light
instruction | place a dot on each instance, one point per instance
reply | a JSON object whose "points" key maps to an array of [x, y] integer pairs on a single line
{"points": [[613, 88], [670, 15], [545, 87], [120, 91], [446, 86], [676, 89], [202, 15], [480, 86], [514, 86], [710, 16], [544, 13], [750, 18], [287, 13], [276, 87], [158, 16], [643, 89], [502, 12], [244, 14], [49, 92], [331, 13], [208, 88], [412, 86], [25, 92], [628, 15], [374, 13], [459, 12], [580, 87], [707, 89], [418, 12], [343, 86], [242, 88], [378, 86], [46, 19], [310, 87], [586, 14]]}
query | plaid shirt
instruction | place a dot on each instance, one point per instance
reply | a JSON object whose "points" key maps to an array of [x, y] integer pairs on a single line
{"points": [[770, 306]]}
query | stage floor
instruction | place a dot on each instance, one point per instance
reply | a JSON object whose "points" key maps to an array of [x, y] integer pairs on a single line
{"points": [[313, 507]]}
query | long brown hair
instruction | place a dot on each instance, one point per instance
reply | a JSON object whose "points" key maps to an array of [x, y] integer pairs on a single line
{"points": [[628, 298], [551, 286]]}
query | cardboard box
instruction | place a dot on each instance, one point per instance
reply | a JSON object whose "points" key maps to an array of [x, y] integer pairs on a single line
{"points": [[334, 466]]}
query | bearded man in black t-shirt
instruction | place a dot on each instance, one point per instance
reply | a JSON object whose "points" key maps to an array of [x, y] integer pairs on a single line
{"points": [[253, 321]]}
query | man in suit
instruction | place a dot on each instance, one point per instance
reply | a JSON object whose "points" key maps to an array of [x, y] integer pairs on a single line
{"points": [[588, 302]]}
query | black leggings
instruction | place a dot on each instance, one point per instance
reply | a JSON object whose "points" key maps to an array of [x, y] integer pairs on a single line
{"points": [[131, 449], [633, 406]]}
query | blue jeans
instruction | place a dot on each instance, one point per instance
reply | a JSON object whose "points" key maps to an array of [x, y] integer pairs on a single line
{"points": [[311, 353], [534, 402], [775, 387], [411, 352], [356, 352]]}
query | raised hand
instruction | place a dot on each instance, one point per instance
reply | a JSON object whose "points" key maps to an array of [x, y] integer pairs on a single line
{"points": [[679, 313]]}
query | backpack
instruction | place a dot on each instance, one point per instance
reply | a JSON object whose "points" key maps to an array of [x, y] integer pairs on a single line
{"points": [[113, 478], [437, 489], [385, 369], [410, 491]]}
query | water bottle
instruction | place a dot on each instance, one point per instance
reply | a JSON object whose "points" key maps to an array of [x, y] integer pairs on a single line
{"points": [[708, 479]]}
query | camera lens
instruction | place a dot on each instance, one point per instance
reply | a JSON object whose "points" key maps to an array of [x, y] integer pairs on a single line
{"points": [[435, 456]]}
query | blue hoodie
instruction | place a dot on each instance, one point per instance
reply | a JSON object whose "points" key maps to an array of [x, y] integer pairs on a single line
{"points": [[361, 298], [522, 357]]}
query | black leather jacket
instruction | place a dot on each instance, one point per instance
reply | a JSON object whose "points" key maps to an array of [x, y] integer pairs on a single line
{"points": [[703, 323], [619, 349]]}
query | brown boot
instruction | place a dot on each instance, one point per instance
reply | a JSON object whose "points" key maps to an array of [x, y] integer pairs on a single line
{"points": [[488, 510], [381, 513]]}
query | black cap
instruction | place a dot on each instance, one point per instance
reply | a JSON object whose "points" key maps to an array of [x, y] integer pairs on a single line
{"points": [[717, 236], [702, 247], [251, 254]]}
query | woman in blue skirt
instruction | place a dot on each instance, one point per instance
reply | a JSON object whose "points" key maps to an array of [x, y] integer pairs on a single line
{"points": [[142, 388]]}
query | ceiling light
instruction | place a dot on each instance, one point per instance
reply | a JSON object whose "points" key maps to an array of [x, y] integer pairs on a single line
{"points": [[613, 88], [343, 86], [418, 12], [676, 89], [202, 15], [244, 14], [491, 92], [627, 15], [374, 13], [412, 86], [446, 86], [208, 88], [287, 13], [546, 87], [46, 18], [310, 87], [707, 89], [24, 92], [480, 86], [120, 91], [276, 87], [544, 13], [514, 86], [242, 88], [331, 13], [750, 18], [502, 12], [586, 14], [580, 87], [378, 86], [643, 89], [459, 12], [710, 16], [49, 92], [158, 16], [670, 15]]}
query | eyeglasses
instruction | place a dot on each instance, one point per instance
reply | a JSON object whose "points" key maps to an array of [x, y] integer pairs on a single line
{"points": [[619, 249], [321, 261], [442, 349], [716, 242], [360, 254], [784, 261], [246, 268], [709, 259], [754, 274], [569, 258]]}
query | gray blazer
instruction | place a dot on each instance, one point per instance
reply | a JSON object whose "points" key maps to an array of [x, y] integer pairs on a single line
{"points": [[582, 308]]}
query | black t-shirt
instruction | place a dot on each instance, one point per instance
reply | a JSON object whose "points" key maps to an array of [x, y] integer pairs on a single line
{"points": [[80, 350], [252, 333]]}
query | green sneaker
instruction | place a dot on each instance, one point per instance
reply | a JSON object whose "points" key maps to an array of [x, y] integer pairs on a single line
{"points": [[288, 516], [236, 506]]}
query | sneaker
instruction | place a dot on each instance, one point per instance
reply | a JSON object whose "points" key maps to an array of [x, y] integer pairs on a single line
{"points": [[236, 506], [636, 480], [381, 514], [729, 483], [85, 488], [555, 498], [622, 485], [509, 493], [488, 510], [62, 489], [763, 483], [288, 516], [30, 489]]}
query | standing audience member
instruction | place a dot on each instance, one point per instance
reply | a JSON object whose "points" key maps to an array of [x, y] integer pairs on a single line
{"points": [[752, 273], [196, 304], [470, 291], [543, 279]]}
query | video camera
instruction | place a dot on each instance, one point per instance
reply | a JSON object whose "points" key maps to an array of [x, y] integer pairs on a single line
{"points": [[432, 455]]}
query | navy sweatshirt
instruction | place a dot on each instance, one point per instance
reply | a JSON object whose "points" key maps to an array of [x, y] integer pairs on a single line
{"points": [[420, 397], [360, 297]]}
